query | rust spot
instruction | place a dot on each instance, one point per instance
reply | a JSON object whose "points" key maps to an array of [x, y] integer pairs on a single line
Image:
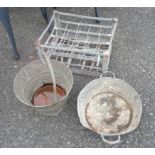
{"points": [[45, 95], [115, 113], [37, 43]]}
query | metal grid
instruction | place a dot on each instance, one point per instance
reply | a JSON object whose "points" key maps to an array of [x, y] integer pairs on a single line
{"points": [[79, 42]]}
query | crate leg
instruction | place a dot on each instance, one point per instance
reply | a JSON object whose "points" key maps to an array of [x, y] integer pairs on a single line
{"points": [[106, 59], [57, 24]]}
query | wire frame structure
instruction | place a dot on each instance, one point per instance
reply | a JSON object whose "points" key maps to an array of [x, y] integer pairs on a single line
{"points": [[79, 42]]}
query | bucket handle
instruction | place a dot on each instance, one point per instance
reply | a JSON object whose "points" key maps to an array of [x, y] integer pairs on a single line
{"points": [[113, 74], [111, 142]]}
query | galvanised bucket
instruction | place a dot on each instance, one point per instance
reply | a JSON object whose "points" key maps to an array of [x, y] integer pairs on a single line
{"points": [[34, 75]]}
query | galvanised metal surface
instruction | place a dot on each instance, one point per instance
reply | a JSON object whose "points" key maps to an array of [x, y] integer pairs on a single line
{"points": [[33, 75], [79, 42], [102, 87]]}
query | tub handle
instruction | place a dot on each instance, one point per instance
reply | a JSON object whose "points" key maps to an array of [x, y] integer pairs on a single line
{"points": [[111, 142], [113, 74]]}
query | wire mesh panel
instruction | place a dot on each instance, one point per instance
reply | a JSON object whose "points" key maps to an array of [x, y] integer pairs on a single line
{"points": [[79, 42]]}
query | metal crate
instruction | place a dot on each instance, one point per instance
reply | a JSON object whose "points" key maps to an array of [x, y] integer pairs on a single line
{"points": [[79, 42]]}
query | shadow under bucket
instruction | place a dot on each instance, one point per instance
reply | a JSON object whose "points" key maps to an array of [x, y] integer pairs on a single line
{"points": [[34, 76]]}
